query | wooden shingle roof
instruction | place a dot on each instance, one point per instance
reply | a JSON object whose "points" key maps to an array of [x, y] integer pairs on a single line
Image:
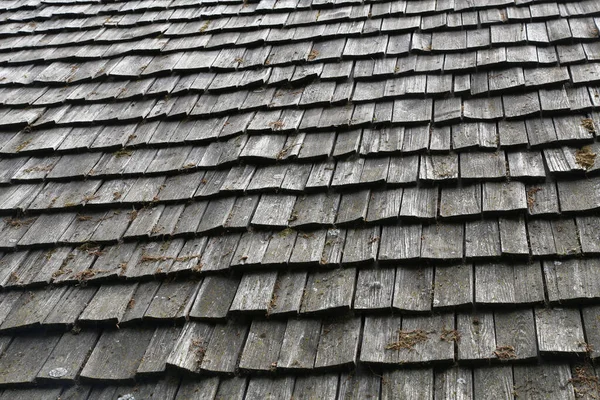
{"points": [[307, 199]]}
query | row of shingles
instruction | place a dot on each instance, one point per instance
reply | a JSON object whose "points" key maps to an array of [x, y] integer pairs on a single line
{"points": [[302, 345], [493, 196], [236, 388], [241, 19], [334, 343], [397, 142], [305, 212], [17, 5], [236, 100], [51, 45], [348, 173], [498, 198], [311, 93], [352, 48], [128, 15], [489, 12], [380, 140], [122, 84], [498, 382], [251, 178], [125, 18], [41, 96], [44, 18], [282, 111], [487, 240], [282, 54], [233, 8], [124, 90], [274, 27], [272, 293], [298, 291], [364, 69], [405, 289], [329, 386], [556, 31], [248, 92], [385, 149]]}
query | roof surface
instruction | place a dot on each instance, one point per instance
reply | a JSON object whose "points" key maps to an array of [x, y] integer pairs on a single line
{"points": [[282, 199]]}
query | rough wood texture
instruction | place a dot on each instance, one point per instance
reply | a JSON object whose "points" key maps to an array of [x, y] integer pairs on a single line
{"points": [[477, 336], [287, 296], [428, 347], [453, 286], [413, 288], [461, 201], [214, 298], [509, 283], [254, 292], [359, 385], [308, 248], [204, 389], [419, 203], [515, 334], [323, 387], [591, 322], [23, 359], [70, 306], [109, 304], [550, 381], [300, 343], [273, 211], [482, 239], [172, 300], [379, 333], [269, 388], [32, 308], [513, 236], [384, 205], [338, 344], [280, 248], [219, 252], [400, 242], [442, 242], [138, 304], [117, 355], [232, 199], [374, 289], [68, 357], [264, 341], [353, 208], [361, 246], [454, 383], [232, 388], [190, 347], [162, 343], [408, 384], [251, 249], [224, 347], [493, 383], [329, 291], [589, 232], [559, 330], [571, 279]]}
